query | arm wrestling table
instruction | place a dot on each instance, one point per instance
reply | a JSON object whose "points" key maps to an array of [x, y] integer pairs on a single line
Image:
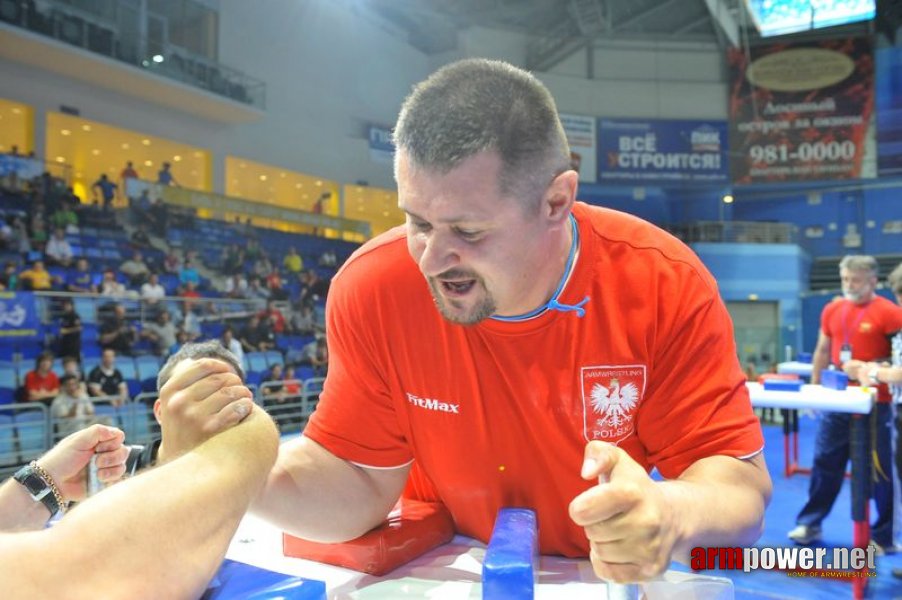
{"points": [[791, 420], [453, 571], [855, 400]]}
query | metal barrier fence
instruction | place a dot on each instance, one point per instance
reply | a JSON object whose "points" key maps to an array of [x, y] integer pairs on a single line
{"points": [[291, 407]]}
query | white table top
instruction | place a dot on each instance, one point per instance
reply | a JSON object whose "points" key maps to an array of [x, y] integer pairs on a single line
{"points": [[453, 572], [795, 367], [850, 400]]}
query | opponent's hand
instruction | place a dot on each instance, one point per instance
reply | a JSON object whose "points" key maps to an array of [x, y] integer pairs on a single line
{"points": [[852, 368], [66, 462], [202, 398], [629, 523]]}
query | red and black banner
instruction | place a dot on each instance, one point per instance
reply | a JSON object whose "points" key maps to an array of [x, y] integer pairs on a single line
{"points": [[802, 112]]}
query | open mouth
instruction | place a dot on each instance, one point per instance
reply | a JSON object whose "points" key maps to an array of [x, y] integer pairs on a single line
{"points": [[458, 288]]}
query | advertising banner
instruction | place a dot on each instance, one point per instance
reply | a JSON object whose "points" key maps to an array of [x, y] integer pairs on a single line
{"points": [[580, 131], [802, 112], [637, 151], [18, 315]]}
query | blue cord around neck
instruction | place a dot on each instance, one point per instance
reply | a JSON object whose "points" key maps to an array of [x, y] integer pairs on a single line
{"points": [[554, 304]]}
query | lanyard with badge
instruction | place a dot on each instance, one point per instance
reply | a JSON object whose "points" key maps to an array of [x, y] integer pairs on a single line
{"points": [[845, 352]]}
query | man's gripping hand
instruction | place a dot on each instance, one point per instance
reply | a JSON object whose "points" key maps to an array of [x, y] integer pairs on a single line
{"points": [[202, 398], [626, 517]]}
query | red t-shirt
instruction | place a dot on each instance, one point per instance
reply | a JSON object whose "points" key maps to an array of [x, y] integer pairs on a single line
{"points": [[867, 328], [498, 414], [34, 382]]}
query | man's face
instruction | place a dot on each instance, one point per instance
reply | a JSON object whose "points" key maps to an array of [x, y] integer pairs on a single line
{"points": [[71, 386], [476, 247], [108, 358], [81, 264], [857, 286]]}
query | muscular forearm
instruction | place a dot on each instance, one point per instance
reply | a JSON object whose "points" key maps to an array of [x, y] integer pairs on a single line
{"points": [[719, 501], [315, 495], [18, 512], [162, 534]]}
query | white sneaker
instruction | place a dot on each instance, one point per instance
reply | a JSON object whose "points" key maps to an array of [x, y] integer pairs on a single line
{"points": [[805, 534]]}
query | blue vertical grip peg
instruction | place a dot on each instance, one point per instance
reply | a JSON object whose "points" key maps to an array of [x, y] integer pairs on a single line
{"points": [[511, 563]]}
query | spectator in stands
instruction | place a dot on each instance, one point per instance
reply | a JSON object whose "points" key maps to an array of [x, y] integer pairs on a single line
{"points": [[139, 238], [135, 269], [161, 333], [71, 366], [191, 322], [141, 206], [164, 176], [42, 384], [188, 274], [58, 250], [236, 286], [292, 383], [19, 241], [65, 218], [181, 338], [275, 285], [116, 333], [316, 354], [152, 293], [105, 380], [253, 249], [229, 342], [81, 280], [38, 232], [304, 320], [275, 316], [257, 336], [127, 173], [313, 288], [110, 286], [171, 262], [328, 258], [293, 262], [232, 259], [255, 291], [272, 384], [9, 279], [263, 266], [72, 408], [107, 191], [36, 278], [6, 235], [70, 331]]}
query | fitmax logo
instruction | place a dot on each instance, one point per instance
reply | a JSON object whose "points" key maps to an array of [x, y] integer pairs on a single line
{"points": [[432, 404]]}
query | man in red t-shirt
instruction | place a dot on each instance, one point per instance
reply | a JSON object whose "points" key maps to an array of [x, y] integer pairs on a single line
{"points": [[42, 384], [511, 347], [854, 330]]}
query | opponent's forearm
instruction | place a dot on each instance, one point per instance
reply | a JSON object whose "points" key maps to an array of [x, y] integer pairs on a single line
{"points": [[317, 496], [719, 501], [161, 534], [18, 512]]}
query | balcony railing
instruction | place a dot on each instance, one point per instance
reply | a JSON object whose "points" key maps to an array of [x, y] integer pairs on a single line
{"points": [[95, 34], [740, 232]]}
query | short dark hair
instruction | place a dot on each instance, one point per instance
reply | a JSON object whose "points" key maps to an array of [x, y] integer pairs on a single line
{"points": [[42, 357], [208, 349], [67, 378], [475, 105]]}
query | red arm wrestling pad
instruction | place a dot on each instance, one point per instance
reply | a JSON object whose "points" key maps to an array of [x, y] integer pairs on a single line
{"points": [[411, 529]]}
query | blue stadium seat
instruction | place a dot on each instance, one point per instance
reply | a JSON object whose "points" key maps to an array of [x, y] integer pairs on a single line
{"points": [[9, 377], [86, 310], [273, 357], [256, 362], [148, 367], [109, 411], [31, 431], [88, 363], [304, 372], [126, 365]]}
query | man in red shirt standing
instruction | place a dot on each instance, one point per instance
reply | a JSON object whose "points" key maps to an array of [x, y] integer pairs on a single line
{"points": [[510, 346], [857, 328]]}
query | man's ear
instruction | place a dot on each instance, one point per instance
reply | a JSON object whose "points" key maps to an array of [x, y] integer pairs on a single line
{"points": [[560, 196], [157, 407]]}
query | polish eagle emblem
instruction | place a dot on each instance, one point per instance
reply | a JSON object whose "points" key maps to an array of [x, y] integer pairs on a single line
{"points": [[614, 404]]}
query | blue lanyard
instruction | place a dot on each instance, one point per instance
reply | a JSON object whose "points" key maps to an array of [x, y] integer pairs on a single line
{"points": [[554, 304]]}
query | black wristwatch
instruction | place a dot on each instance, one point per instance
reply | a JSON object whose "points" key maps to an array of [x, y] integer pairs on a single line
{"points": [[40, 489]]}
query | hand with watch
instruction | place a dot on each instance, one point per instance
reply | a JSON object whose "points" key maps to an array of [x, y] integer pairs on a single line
{"points": [[59, 477]]}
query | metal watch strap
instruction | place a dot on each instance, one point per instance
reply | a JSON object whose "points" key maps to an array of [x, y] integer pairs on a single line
{"points": [[39, 488]]}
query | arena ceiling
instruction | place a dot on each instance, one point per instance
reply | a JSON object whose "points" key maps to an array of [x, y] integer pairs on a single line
{"points": [[559, 28]]}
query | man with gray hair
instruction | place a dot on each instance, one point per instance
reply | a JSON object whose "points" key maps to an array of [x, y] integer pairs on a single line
{"points": [[854, 329], [475, 351]]}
